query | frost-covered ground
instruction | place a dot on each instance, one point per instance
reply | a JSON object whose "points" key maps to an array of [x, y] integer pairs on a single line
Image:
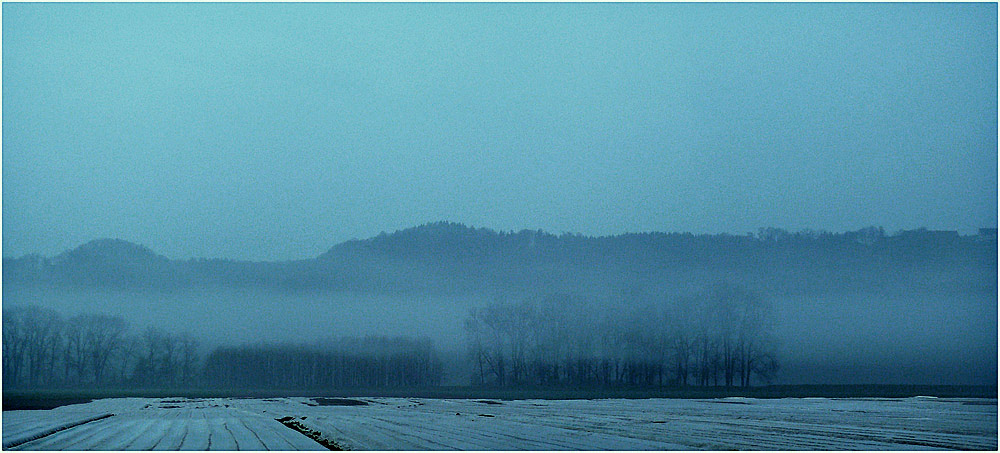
{"points": [[447, 424]]}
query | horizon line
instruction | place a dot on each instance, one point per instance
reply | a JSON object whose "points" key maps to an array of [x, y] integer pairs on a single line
{"points": [[979, 232]]}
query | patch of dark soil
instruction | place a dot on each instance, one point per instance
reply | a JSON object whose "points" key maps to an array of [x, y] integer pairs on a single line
{"points": [[169, 406], [40, 404], [183, 400], [486, 415], [489, 402], [339, 402], [310, 433]]}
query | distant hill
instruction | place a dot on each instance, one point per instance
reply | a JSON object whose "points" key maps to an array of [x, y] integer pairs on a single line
{"points": [[448, 258], [109, 250]]}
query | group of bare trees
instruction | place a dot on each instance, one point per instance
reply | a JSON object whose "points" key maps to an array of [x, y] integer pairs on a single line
{"points": [[42, 349], [720, 337], [370, 362]]}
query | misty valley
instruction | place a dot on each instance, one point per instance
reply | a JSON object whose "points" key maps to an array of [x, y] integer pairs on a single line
{"points": [[499, 226], [446, 304], [447, 311]]}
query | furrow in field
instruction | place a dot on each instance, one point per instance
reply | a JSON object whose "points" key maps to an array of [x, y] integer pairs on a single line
{"points": [[776, 422], [362, 433], [760, 435], [469, 433], [132, 439], [405, 438], [345, 433], [279, 437], [77, 438], [256, 443], [39, 431], [13, 427], [151, 435], [421, 424], [375, 436], [196, 433], [445, 431], [499, 427], [888, 437], [219, 437], [661, 436], [173, 436]]}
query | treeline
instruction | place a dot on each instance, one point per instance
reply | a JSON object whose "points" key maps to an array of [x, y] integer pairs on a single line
{"points": [[448, 257], [448, 241], [370, 362], [43, 349], [720, 337]]}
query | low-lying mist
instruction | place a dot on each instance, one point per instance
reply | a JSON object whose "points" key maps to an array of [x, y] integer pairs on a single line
{"points": [[227, 316], [857, 308], [847, 339]]}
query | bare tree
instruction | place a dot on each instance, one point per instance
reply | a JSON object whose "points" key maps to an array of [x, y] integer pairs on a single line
{"points": [[157, 365], [744, 334], [75, 353], [103, 337], [755, 340], [14, 345], [477, 350], [722, 333], [41, 330], [128, 357], [188, 357]]}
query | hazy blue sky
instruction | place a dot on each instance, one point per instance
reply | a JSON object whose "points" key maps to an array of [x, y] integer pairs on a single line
{"points": [[273, 131]]}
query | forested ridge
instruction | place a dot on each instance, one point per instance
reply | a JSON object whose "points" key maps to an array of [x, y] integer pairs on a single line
{"points": [[443, 257]]}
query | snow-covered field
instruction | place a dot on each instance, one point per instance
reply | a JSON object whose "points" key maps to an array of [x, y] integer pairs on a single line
{"points": [[448, 424]]}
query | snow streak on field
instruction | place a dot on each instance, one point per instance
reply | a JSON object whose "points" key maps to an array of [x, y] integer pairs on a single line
{"points": [[156, 424], [441, 424]]}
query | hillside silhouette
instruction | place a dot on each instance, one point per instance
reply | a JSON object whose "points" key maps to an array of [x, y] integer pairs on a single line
{"points": [[450, 258]]}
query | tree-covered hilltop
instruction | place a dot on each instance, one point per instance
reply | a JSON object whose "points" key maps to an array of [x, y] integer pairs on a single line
{"points": [[449, 258]]}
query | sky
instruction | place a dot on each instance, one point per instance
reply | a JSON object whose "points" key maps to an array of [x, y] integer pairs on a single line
{"points": [[274, 131]]}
